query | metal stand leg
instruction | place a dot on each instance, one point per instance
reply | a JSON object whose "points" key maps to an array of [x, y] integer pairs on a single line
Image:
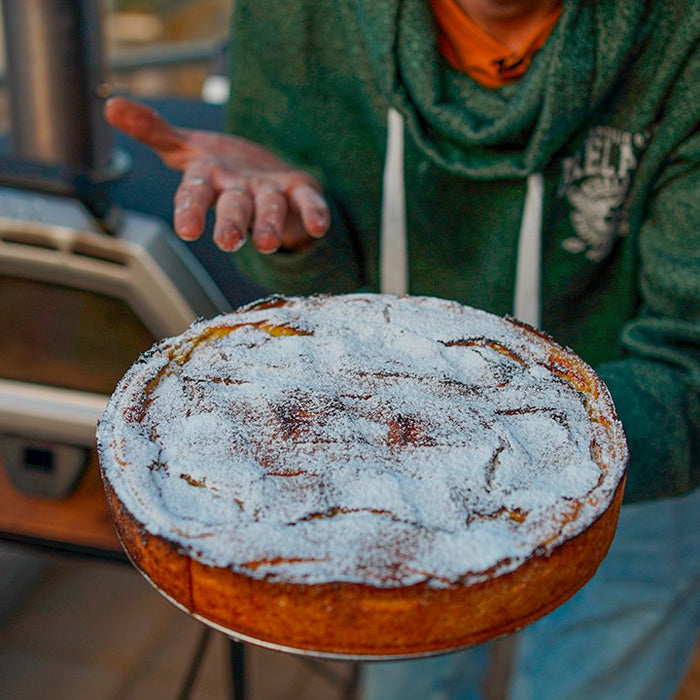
{"points": [[195, 664], [351, 687], [237, 655]]}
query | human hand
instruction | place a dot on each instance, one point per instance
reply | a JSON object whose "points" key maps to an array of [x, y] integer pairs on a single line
{"points": [[250, 188]]}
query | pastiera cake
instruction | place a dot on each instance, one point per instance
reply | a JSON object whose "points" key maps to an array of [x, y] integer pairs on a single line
{"points": [[363, 475]]}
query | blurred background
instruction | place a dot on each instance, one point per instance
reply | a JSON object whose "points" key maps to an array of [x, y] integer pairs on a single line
{"points": [[156, 48]]}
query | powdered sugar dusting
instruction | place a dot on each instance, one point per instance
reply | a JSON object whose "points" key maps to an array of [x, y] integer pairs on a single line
{"points": [[364, 438]]}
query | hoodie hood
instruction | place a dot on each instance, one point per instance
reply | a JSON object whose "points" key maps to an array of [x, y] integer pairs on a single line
{"points": [[512, 131]]}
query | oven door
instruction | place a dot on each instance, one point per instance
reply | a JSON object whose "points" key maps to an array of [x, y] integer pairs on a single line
{"points": [[77, 308]]}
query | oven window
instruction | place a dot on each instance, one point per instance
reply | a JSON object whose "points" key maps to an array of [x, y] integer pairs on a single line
{"points": [[66, 337]]}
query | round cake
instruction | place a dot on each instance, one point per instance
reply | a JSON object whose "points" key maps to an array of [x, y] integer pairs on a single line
{"points": [[363, 475]]}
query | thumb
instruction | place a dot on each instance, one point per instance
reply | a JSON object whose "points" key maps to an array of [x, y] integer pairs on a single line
{"points": [[145, 125]]}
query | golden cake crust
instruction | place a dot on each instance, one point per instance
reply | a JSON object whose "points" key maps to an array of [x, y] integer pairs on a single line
{"points": [[394, 612], [355, 620]]}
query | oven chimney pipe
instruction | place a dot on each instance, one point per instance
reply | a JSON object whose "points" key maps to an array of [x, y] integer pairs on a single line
{"points": [[55, 79]]}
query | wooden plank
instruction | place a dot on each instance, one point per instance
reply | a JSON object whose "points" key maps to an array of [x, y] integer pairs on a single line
{"points": [[80, 520]]}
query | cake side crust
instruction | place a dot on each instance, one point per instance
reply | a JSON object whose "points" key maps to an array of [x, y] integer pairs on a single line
{"points": [[359, 620]]}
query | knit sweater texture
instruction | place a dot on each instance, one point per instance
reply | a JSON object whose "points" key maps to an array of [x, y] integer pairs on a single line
{"points": [[608, 112]]}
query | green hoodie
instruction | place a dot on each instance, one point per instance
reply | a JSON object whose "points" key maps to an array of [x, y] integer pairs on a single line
{"points": [[608, 113]]}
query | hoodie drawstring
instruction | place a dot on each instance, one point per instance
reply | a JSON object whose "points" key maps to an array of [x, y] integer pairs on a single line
{"points": [[393, 245], [526, 300]]}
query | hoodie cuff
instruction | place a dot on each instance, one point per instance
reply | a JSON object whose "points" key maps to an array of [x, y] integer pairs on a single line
{"points": [[660, 421]]}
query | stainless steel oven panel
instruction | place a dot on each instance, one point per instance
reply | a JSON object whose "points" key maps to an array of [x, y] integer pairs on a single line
{"points": [[50, 413], [48, 241], [144, 264], [46, 436]]}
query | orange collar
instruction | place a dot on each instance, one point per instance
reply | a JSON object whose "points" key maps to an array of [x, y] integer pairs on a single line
{"points": [[470, 49]]}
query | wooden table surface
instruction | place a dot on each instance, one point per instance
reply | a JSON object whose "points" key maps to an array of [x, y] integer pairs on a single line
{"points": [[79, 522]]}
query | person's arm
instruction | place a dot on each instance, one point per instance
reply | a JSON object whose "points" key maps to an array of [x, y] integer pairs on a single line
{"points": [[656, 388], [252, 191], [249, 187]]}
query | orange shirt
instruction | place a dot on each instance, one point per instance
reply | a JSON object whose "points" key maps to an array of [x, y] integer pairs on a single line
{"points": [[470, 49]]}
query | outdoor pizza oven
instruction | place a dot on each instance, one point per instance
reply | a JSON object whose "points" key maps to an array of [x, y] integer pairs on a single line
{"points": [[85, 285]]}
